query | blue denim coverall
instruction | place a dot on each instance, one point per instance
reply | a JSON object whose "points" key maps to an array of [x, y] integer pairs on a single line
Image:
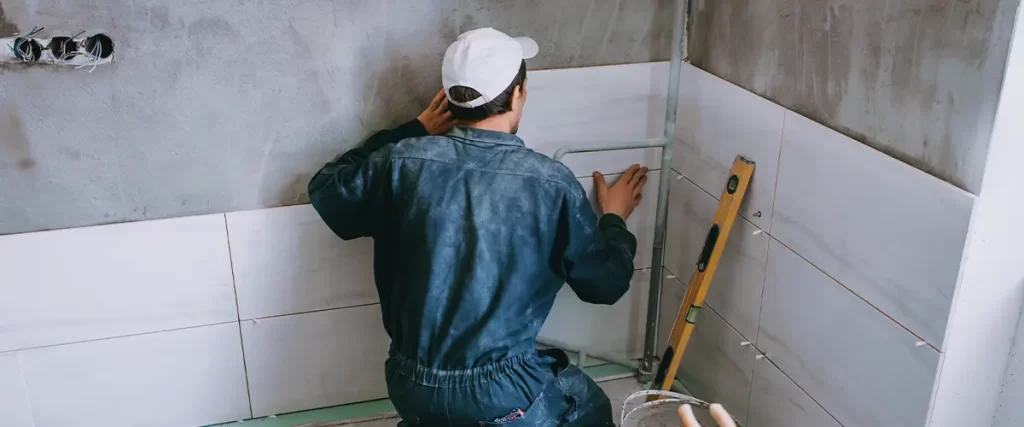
{"points": [[474, 234]]}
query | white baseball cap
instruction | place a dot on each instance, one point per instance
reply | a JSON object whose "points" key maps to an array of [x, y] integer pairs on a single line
{"points": [[486, 60]]}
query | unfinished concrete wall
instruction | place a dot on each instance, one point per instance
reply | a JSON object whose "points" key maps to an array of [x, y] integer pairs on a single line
{"points": [[916, 79], [214, 106]]}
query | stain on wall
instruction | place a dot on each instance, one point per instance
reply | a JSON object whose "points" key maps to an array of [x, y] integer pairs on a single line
{"points": [[217, 106], [916, 79]]}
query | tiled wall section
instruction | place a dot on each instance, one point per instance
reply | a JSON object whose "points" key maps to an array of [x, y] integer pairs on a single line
{"points": [[841, 281], [830, 302], [206, 319], [113, 281]]}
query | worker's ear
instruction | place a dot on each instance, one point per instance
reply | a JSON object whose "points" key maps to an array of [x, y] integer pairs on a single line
{"points": [[518, 97]]}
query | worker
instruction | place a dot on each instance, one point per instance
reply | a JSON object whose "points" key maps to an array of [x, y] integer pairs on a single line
{"points": [[474, 235]]}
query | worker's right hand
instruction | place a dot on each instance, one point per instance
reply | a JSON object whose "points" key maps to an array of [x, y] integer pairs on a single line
{"points": [[436, 119], [623, 196]]}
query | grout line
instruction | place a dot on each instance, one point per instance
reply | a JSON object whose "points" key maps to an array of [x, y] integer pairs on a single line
{"points": [[772, 237], [137, 334], [768, 358], [238, 315], [24, 389], [710, 307], [775, 194], [319, 310], [857, 295], [231, 263], [740, 216], [778, 167], [612, 175]]}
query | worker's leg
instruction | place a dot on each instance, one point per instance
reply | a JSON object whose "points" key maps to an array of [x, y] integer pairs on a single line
{"points": [[589, 405]]}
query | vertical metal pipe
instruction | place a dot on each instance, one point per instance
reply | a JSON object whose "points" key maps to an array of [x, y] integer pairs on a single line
{"points": [[661, 221]]}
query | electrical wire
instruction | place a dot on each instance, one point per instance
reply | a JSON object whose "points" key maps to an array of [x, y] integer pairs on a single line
{"points": [[16, 46]]}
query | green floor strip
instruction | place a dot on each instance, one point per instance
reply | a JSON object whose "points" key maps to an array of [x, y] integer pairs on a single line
{"points": [[377, 407]]}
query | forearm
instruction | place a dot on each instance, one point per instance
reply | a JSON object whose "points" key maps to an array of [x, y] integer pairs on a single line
{"points": [[614, 231], [603, 276]]}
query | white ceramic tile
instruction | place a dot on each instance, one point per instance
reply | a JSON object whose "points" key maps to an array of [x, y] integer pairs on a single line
{"points": [[617, 329], [14, 406], [862, 367], [287, 261], [580, 106], [187, 377], [641, 222], [717, 367], [87, 283], [776, 401], [313, 360], [735, 291], [889, 232], [718, 121]]}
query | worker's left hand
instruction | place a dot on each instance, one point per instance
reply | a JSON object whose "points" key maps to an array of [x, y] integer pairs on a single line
{"points": [[436, 119], [722, 418]]}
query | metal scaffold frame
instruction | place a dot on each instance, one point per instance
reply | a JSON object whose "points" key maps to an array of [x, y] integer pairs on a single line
{"points": [[646, 365]]}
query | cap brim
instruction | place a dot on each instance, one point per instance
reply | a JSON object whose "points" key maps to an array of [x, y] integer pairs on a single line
{"points": [[530, 48]]}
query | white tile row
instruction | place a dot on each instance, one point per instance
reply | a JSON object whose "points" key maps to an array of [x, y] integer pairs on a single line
{"points": [[862, 367], [197, 376], [176, 378], [99, 282], [314, 360], [889, 232], [287, 261]]}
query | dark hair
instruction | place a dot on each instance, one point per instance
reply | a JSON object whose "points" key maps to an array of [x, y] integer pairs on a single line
{"points": [[501, 104]]}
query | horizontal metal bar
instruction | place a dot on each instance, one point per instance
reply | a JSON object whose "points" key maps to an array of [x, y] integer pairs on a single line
{"points": [[629, 363], [609, 146]]}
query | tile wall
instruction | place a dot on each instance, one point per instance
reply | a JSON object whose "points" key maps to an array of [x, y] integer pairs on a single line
{"points": [[830, 303]]}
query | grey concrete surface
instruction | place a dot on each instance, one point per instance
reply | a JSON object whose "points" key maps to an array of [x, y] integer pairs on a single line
{"points": [[226, 105], [916, 79]]}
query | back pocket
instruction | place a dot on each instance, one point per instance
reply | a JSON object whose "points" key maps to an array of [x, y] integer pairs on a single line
{"points": [[547, 410]]}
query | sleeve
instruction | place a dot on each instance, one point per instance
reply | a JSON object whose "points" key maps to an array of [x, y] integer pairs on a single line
{"points": [[351, 190], [598, 260]]}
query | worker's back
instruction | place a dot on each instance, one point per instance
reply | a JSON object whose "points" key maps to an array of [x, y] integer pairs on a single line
{"points": [[469, 260]]}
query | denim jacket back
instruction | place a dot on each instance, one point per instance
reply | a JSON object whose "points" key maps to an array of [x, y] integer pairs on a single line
{"points": [[474, 235]]}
